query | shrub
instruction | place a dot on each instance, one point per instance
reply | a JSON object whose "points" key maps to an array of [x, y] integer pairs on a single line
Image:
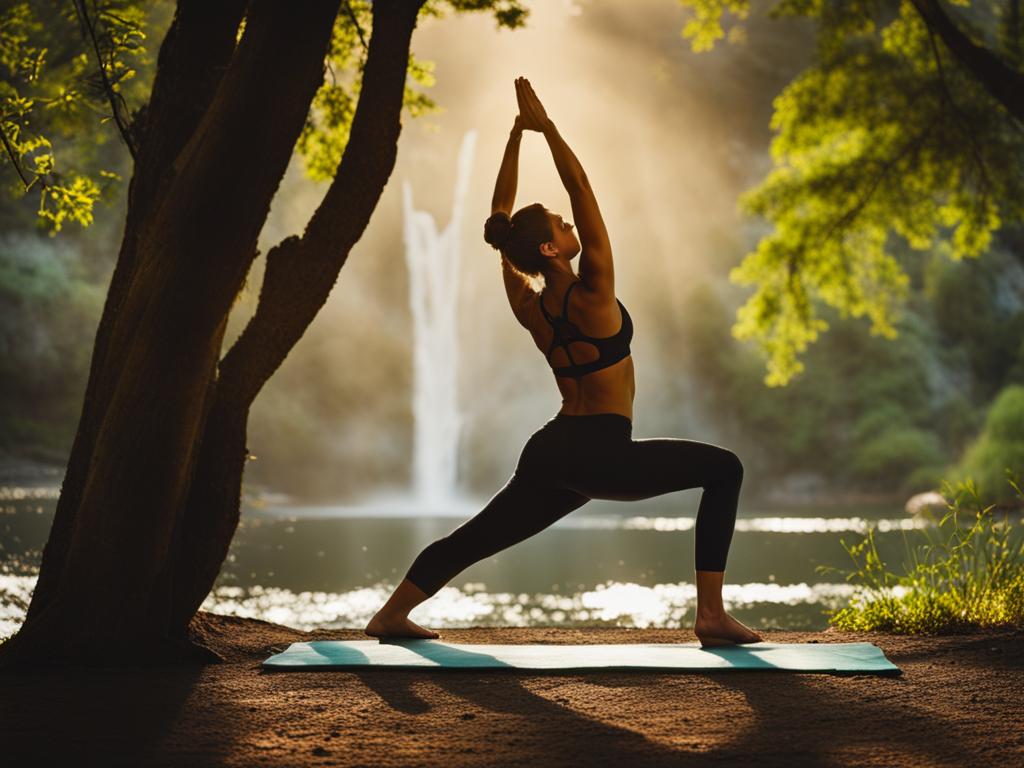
{"points": [[893, 454], [973, 576], [922, 479], [999, 448], [879, 420]]}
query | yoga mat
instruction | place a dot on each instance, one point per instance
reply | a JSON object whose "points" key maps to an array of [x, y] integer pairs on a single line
{"points": [[399, 653]]}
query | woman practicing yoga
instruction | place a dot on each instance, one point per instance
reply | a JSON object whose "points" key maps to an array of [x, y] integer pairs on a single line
{"points": [[586, 450]]}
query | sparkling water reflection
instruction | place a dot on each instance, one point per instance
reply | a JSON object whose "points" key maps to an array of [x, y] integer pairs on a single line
{"points": [[668, 606], [334, 567]]}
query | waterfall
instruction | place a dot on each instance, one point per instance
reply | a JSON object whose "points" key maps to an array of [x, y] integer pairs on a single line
{"points": [[433, 262]]}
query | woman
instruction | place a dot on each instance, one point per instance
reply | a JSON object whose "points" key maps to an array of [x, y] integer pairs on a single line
{"points": [[586, 450]]}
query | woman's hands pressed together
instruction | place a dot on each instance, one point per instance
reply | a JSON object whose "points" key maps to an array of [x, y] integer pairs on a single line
{"points": [[531, 115]]}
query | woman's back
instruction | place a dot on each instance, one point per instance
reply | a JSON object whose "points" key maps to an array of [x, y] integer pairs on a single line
{"points": [[563, 318]]}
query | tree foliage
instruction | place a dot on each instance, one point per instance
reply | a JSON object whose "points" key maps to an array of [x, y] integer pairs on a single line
{"points": [[74, 75], [872, 414], [888, 134], [66, 69]]}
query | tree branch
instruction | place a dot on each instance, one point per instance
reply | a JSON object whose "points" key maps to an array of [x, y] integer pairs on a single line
{"points": [[355, 22], [850, 214], [241, 147], [193, 58], [302, 271], [968, 134], [1004, 83], [14, 158], [117, 104]]}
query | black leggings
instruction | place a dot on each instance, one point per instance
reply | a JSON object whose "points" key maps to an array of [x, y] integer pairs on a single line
{"points": [[573, 459]]}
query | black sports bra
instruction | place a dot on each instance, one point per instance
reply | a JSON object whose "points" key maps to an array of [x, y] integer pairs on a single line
{"points": [[610, 349]]}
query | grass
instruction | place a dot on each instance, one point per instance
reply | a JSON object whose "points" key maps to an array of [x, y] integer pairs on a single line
{"points": [[969, 574]]}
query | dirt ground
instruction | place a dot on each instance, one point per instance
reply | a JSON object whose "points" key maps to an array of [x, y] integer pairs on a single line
{"points": [[958, 702]]}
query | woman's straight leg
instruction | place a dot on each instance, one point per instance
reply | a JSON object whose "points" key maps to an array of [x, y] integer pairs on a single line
{"points": [[519, 510], [526, 505]]}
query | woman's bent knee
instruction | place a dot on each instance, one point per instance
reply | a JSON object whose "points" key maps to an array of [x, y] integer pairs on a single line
{"points": [[737, 465], [730, 467]]}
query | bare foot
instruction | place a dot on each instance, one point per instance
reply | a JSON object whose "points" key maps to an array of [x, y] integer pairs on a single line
{"points": [[723, 629], [387, 626]]}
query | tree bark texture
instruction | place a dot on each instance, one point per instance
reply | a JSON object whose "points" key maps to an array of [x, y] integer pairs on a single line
{"points": [[299, 276], [188, 245], [193, 57]]}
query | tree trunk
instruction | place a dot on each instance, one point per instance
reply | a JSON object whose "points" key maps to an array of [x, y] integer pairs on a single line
{"points": [[151, 498], [193, 57], [191, 252], [299, 277]]}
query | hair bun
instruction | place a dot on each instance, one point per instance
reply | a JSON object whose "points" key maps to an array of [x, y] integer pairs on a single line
{"points": [[498, 230]]}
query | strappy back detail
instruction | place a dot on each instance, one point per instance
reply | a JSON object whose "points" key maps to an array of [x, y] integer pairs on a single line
{"points": [[610, 349]]}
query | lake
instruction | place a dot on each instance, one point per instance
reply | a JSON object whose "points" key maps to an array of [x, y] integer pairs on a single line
{"points": [[607, 563]]}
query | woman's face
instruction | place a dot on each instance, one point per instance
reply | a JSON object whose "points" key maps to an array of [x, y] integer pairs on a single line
{"points": [[564, 236]]}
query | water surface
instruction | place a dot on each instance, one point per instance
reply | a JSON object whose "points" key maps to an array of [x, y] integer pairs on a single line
{"points": [[613, 564]]}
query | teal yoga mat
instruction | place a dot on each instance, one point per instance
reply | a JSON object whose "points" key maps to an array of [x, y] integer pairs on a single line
{"points": [[848, 658]]}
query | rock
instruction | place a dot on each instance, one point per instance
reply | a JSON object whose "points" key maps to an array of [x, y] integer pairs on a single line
{"points": [[929, 502]]}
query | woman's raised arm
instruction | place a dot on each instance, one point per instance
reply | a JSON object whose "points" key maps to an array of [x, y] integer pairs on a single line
{"points": [[505, 187], [596, 269], [519, 292]]}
